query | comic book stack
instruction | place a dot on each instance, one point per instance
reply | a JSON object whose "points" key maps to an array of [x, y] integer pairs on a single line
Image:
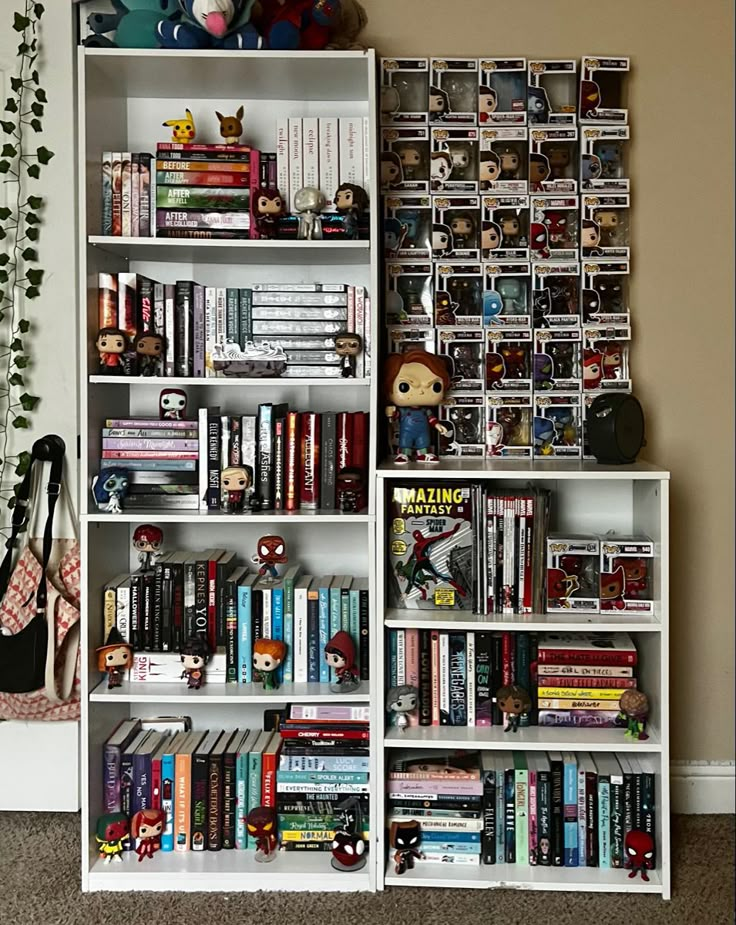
{"points": [[506, 229], [323, 771]]}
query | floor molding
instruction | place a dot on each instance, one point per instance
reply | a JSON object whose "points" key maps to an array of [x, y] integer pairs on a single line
{"points": [[703, 786]]}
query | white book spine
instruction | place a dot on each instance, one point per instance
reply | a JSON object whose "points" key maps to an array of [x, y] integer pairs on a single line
{"points": [[360, 329], [470, 676], [202, 437], [267, 613], [296, 172], [282, 161], [444, 675], [164, 667], [351, 151], [210, 322], [170, 327], [366, 154], [248, 442], [125, 194], [220, 307], [367, 340], [310, 152], [300, 635], [122, 610], [329, 160], [400, 657]]}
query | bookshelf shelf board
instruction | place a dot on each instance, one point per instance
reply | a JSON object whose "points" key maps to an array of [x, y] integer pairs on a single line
{"points": [[260, 75], [521, 469], [560, 622], [202, 517], [168, 692], [529, 738], [207, 250], [226, 871], [168, 381], [523, 877]]}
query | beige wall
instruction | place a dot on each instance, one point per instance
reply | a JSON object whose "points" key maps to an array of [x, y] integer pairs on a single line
{"points": [[681, 100]]}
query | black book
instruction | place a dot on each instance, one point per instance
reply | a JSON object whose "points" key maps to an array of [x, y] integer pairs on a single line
{"points": [[256, 613], [364, 626], [648, 805], [184, 337], [328, 460], [136, 611], [231, 622], [311, 751], [544, 816], [312, 636], [279, 457], [556, 772], [144, 203], [190, 564], [458, 668], [638, 800], [314, 807], [201, 568], [229, 791], [167, 603], [488, 833], [509, 807], [425, 678], [225, 565], [245, 304], [268, 414], [445, 801], [147, 608], [174, 597], [235, 453], [214, 797], [200, 792], [213, 459], [483, 691], [426, 810], [496, 674]]}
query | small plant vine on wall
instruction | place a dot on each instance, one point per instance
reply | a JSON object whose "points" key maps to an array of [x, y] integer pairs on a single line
{"points": [[21, 161]]}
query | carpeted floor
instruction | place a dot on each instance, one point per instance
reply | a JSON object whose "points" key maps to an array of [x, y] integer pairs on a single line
{"points": [[39, 885]]}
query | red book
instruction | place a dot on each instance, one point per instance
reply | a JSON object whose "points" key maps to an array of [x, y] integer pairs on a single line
{"points": [[255, 177], [268, 770], [191, 146], [149, 454], [360, 449], [507, 659], [310, 475], [299, 733], [586, 683], [586, 649], [291, 494], [344, 440]]}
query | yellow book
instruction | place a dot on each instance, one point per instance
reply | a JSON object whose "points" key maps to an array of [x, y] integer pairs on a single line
{"points": [[581, 693]]}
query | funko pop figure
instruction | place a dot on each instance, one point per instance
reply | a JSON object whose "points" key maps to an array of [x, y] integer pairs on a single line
{"points": [[440, 168], [350, 486], [442, 241], [538, 241], [539, 171], [544, 436], [493, 305], [608, 222], [268, 209], [512, 701], [146, 826], [309, 202], [510, 229], [231, 127], [348, 347], [490, 168], [149, 349], [515, 361], [406, 837], [348, 845], [537, 105], [590, 238], [340, 656], [487, 103], [111, 344], [490, 236], [147, 542], [234, 483], [402, 701], [590, 168], [612, 361], [350, 202], [590, 98], [494, 439], [415, 383], [271, 552], [114, 658], [592, 370], [495, 370], [392, 173], [639, 853], [439, 104], [172, 404], [559, 160], [195, 653], [109, 489], [513, 295], [268, 655], [410, 158], [111, 831], [510, 163], [612, 590], [634, 707], [462, 226], [394, 234], [261, 825]]}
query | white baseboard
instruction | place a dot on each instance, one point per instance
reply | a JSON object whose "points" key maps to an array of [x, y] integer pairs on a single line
{"points": [[703, 786]]}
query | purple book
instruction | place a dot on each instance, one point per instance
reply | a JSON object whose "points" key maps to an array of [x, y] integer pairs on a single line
{"points": [[148, 444], [582, 718], [467, 788], [199, 331], [113, 748]]}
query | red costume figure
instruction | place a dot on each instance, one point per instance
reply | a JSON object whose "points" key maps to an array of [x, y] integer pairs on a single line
{"points": [[406, 837], [271, 552], [592, 370], [639, 853], [612, 590], [340, 656], [115, 657], [268, 207], [147, 541], [556, 223], [515, 361], [495, 370], [422, 566], [538, 241], [560, 586], [611, 361], [590, 98], [234, 482], [636, 575], [261, 825], [111, 344], [147, 826]]}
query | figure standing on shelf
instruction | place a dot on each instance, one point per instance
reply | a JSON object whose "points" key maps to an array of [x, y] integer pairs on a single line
{"points": [[268, 656], [415, 383], [234, 483], [401, 701], [182, 130], [639, 853], [340, 656], [634, 707], [350, 486], [112, 830], [195, 653], [271, 552], [146, 826], [149, 349], [111, 344], [268, 208], [309, 202], [109, 489], [406, 837], [172, 405], [231, 127], [261, 825], [512, 701], [350, 202], [115, 657], [147, 542], [348, 844], [348, 347]]}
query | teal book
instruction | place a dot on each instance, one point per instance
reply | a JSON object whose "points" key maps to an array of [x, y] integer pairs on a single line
{"points": [[245, 630], [335, 613], [242, 758], [289, 581], [324, 586], [255, 773], [168, 789], [322, 777], [277, 621], [345, 606]]}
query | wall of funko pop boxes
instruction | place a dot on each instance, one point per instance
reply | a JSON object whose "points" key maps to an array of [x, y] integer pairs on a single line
{"points": [[506, 228]]}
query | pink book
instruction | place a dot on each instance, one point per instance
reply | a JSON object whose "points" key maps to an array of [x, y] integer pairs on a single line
{"points": [[468, 788], [532, 815], [411, 662]]}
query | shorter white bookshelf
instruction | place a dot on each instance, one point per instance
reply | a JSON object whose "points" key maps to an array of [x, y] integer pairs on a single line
{"points": [[220, 692]]}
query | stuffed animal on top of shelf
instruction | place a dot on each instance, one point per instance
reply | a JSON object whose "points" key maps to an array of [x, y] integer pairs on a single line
{"points": [[350, 22], [296, 24], [132, 25], [211, 24]]}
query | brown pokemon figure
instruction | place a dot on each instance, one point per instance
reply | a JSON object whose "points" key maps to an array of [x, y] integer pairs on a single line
{"points": [[231, 127]]}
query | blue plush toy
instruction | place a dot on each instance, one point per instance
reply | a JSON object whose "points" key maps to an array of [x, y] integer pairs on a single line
{"points": [[132, 25], [211, 24]]}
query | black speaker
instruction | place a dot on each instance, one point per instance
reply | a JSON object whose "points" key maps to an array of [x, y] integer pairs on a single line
{"points": [[615, 429]]}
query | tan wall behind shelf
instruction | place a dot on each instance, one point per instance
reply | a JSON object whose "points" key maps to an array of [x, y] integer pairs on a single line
{"points": [[681, 102]]}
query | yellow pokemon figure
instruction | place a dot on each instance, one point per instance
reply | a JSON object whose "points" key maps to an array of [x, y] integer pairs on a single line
{"points": [[182, 130]]}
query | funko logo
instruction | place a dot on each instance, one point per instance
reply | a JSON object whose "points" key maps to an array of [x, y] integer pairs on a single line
{"points": [[490, 203], [495, 335], [558, 547], [440, 134], [543, 402], [442, 203], [544, 335], [488, 65], [390, 65], [390, 134], [394, 270], [536, 67], [440, 65], [542, 271], [610, 550], [450, 401], [591, 269], [538, 203], [592, 64], [488, 133], [538, 136], [396, 336], [592, 133], [393, 203], [444, 271], [592, 201], [592, 334], [492, 270], [495, 402], [447, 336]]}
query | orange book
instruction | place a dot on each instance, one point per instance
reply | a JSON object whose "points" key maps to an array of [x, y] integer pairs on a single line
{"points": [[183, 791]]}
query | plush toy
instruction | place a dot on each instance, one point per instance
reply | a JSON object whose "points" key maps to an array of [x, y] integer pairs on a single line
{"points": [[350, 22], [132, 25], [292, 24], [211, 24]]}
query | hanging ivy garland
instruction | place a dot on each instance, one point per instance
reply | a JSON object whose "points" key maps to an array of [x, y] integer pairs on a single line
{"points": [[21, 277]]}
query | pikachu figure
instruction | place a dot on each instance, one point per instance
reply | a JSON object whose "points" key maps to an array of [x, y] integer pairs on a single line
{"points": [[182, 130]]}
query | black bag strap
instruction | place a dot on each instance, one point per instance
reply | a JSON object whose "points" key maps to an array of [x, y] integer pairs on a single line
{"points": [[50, 448]]}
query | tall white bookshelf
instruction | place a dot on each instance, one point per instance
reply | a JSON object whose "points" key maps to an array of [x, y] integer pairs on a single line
{"points": [[588, 498], [123, 98]]}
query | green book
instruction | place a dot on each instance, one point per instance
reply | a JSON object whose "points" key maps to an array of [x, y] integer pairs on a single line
{"points": [[255, 773]]}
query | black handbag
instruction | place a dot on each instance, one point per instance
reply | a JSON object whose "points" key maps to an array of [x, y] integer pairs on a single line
{"points": [[23, 654]]}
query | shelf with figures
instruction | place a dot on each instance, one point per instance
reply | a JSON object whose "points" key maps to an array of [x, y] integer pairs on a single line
{"points": [[223, 693]]}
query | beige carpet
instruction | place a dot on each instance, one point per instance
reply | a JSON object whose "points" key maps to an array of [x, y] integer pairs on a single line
{"points": [[39, 885]]}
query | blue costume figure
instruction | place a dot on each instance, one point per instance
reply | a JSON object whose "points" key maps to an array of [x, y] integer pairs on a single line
{"points": [[211, 24], [492, 306], [544, 435], [109, 488], [415, 384]]}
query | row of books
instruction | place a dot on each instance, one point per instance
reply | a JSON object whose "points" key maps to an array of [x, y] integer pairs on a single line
{"points": [[294, 460], [323, 764], [192, 324], [462, 547], [208, 593]]}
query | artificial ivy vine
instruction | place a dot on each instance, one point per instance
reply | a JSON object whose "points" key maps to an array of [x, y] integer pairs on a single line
{"points": [[21, 161]]}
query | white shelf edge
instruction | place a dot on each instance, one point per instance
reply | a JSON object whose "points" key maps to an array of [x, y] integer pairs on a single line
{"points": [[173, 692], [521, 469], [459, 622], [118, 242], [232, 54], [194, 517], [190, 382], [528, 738]]}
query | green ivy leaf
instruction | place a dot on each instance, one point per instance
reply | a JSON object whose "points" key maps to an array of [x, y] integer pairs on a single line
{"points": [[2, 234], [22, 362], [4, 259], [37, 109], [11, 502], [24, 462], [4, 166], [9, 151], [16, 379], [24, 325], [11, 105], [16, 83], [3, 276], [29, 402], [35, 202], [8, 127], [34, 77], [23, 48], [44, 155], [36, 125], [34, 171], [29, 253], [41, 93], [32, 234], [39, 9], [20, 22], [32, 218], [5, 213], [16, 344], [33, 292], [34, 277], [21, 423]]}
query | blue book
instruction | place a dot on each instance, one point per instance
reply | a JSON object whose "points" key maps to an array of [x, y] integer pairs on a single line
{"points": [[604, 821], [277, 622], [323, 586], [255, 768], [313, 632], [245, 634], [570, 809], [322, 777], [393, 658], [168, 789], [289, 581], [450, 847], [326, 763], [500, 808], [345, 605], [455, 837]]}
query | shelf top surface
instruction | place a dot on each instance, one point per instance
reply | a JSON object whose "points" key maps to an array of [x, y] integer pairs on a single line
{"points": [[560, 621], [177, 692], [180, 74], [278, 381], [528, 738], [521, 469], [206, 517]]}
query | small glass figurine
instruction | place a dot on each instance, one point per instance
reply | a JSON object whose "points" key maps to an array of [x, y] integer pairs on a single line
{"points": [[147, 541], [406, 837], [415, 383], [271, 552], [231, 127], [172, 405], [261, 825], [234, 483], [401, 701], [639, 853], [111, 344], [347, 347], [340, 656], [634, 707], [114, 658], [268, 655], [348, 844], [149, 349], [112, 830], [309, 202], [350, 201], [268, 208], [109, 489], [195, 653], [512, 701], [349, 487], [182, 130], [146, 827]]}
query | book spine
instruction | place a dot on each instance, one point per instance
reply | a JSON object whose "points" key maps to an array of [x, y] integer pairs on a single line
{"points": [[199, 336], [288, 675], [329, 176], [170, 329], [241, 800], [282, 162], [522, 675], [106, 228], [184, 340], [245, 309], [570, 813], [582, 821], [435, 674], [533, 818], [310, 478], [135, 194], [214, 803], [292, 453], [310, 152], [109, 605], [521, 814], [313, 607], [265, 456], [425, 678], [510, 815], [648, 808], [279, 451], [182, 801], [364, 624], [245, 642], [470, 679], [231, 632], [360, 328], [116, 174], [111, 778], [148, 610], [458, 704], [544, 818], [617, 821], [229, 801], [483, 694], [603, 833], [324, 633], [213, 459], [254, 787], [557, 776], [488, 834], [144, 184], [300, 635], [126, 785], [351, 150], [200, 788], [126, 204], [269, 785], [166, 606], [328, 458], [167, 801], [296, 171]]}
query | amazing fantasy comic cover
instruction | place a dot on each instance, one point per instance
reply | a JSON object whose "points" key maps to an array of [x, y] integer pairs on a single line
{"points": [[430, 547]]}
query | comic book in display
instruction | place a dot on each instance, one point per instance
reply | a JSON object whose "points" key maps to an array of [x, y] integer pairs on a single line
{"points": [[430, 547]]}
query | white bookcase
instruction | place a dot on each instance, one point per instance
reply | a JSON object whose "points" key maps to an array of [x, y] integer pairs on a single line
{"points": [[124, 96], [588, 498]]}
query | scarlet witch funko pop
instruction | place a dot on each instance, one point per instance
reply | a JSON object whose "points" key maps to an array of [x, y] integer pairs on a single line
{"points": [[146, 826], [268, 208], [415, 383]]}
